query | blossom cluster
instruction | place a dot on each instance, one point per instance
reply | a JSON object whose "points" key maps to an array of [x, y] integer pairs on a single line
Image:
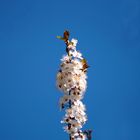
{"points": [[71, 80]]}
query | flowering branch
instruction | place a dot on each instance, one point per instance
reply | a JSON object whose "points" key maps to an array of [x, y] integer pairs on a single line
{"points": [[71, 80]]}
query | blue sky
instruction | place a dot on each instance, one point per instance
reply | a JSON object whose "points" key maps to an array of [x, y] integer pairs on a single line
{"points": [[109, 37]]}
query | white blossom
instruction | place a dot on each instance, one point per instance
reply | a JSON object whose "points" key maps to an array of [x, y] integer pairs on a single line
{"points": [[74, 41], [71, 80]]}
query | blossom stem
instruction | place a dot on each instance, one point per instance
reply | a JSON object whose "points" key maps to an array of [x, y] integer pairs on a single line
{"points": [[70, 137]]}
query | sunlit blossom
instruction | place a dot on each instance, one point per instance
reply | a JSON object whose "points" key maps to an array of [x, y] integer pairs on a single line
{"points": [[71, 80]]}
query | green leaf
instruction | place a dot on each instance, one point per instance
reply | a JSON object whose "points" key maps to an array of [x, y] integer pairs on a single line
{"points": [[59, 37]]}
